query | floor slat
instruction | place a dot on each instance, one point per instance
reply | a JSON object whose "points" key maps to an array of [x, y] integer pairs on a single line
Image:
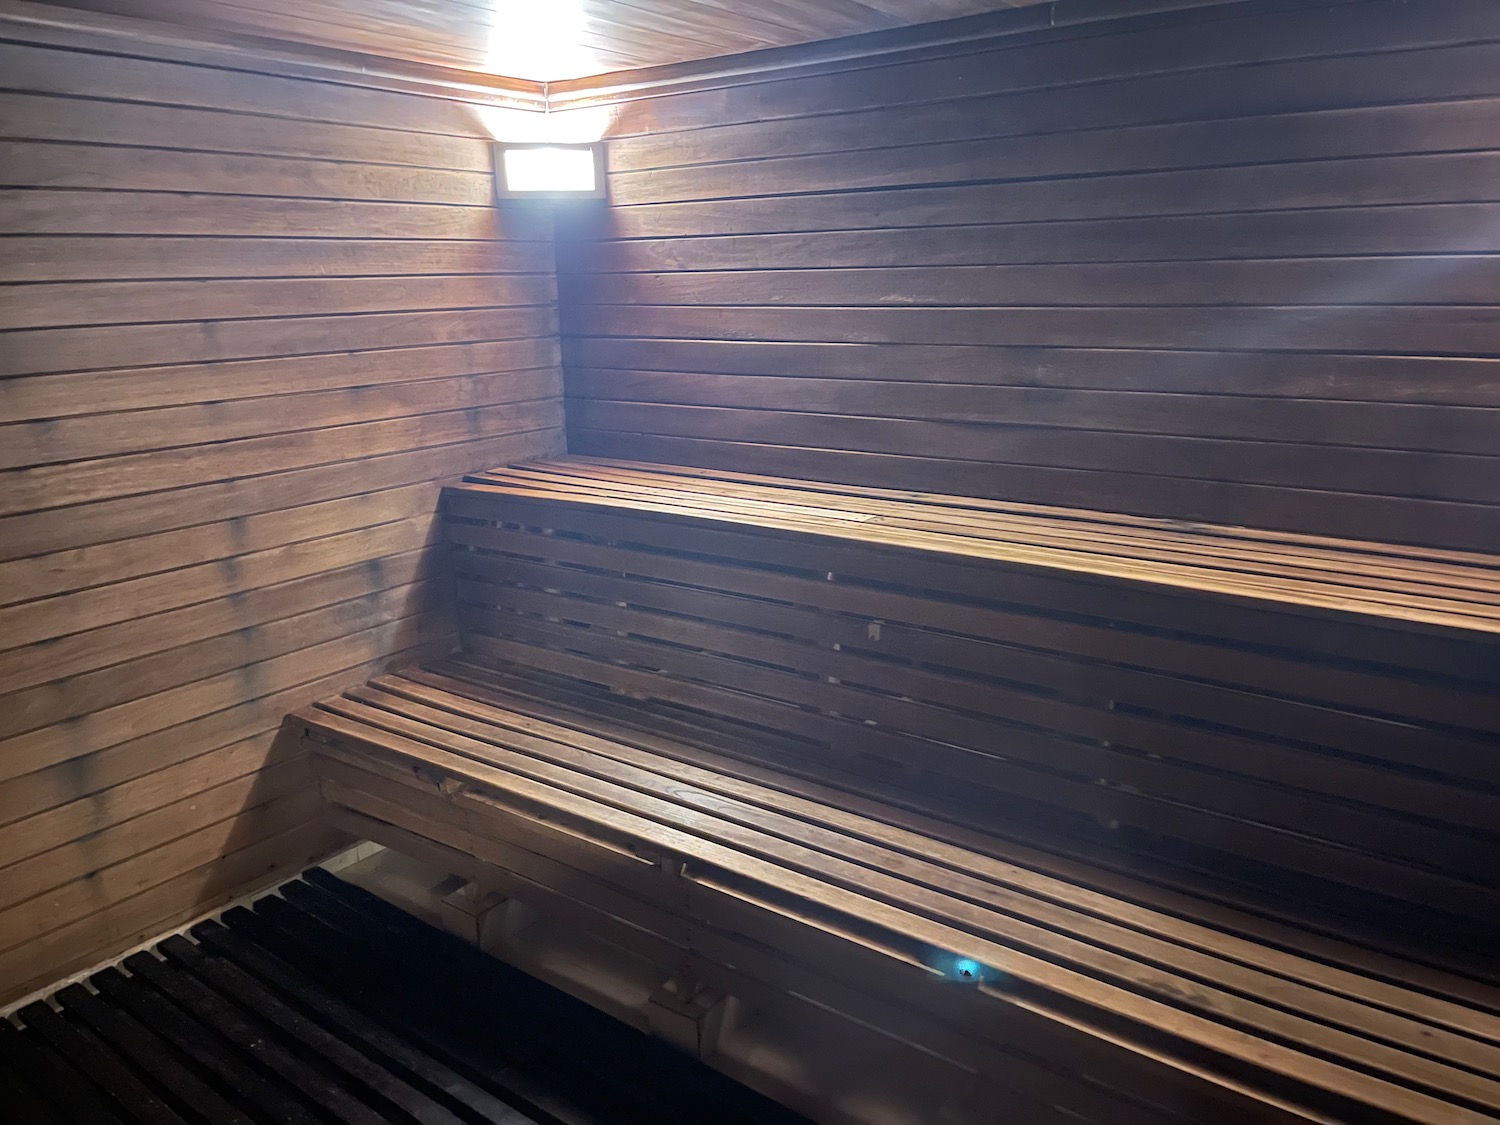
{"points": [[323, 1003]]}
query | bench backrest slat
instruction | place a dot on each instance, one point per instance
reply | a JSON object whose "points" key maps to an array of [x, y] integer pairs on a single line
{"points": [[1321, 756]]}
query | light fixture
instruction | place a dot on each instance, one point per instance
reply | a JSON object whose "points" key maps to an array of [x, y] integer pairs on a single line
{"points": [[532, 171]]}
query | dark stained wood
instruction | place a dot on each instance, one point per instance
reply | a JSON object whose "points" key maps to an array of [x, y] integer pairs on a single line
{"points": [[380, 750], [77, 1098], [341, 1046], [1360, 579], [128, 1092], [280, 1014], [883, 273], [255, 312], [1189, 671], [1213, 807], [139, 1043]]}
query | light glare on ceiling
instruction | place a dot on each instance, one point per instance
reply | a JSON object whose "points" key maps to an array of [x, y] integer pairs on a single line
{"points": [[545, 40]]}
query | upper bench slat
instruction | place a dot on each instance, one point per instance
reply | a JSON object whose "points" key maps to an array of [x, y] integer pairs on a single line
{"points": [[1417, 586], [1214, 706]]}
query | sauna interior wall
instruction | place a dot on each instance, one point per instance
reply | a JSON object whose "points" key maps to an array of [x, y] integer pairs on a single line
{"points": [[1234, 265], [252, 314]]}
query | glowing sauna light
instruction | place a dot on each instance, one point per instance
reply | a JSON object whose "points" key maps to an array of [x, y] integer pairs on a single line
{"points": [[965, 969], [539, 154], [962, 970], [551, 171]]}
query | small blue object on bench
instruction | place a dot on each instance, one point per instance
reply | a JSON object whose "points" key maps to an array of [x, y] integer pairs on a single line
{"points": [[1205, 818]]}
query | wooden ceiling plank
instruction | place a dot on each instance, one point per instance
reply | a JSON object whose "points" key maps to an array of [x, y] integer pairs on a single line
{"points": [[611, 34]]}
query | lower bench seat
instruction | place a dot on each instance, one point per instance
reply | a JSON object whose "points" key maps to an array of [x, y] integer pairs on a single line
{"points": [[1098, 818], [1070, 991]]}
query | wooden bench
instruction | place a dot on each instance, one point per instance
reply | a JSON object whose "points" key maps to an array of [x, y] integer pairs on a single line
{"points": [[1204, 817]]}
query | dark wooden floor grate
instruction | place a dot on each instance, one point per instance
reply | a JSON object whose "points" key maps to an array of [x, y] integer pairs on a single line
{"points": [[325, 1004]]}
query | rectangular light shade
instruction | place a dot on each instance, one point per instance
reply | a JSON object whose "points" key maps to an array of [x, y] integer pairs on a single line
{"points": [[566, 171]]}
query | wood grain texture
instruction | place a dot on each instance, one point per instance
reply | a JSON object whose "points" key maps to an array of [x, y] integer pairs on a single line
{"points": [[1307, 718], [564, 39], [254, 314], [606, 807], [1103, 271]]}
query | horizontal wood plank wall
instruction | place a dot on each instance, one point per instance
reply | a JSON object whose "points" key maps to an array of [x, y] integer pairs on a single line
{"points": [[251, 318], [1239, 265]]}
